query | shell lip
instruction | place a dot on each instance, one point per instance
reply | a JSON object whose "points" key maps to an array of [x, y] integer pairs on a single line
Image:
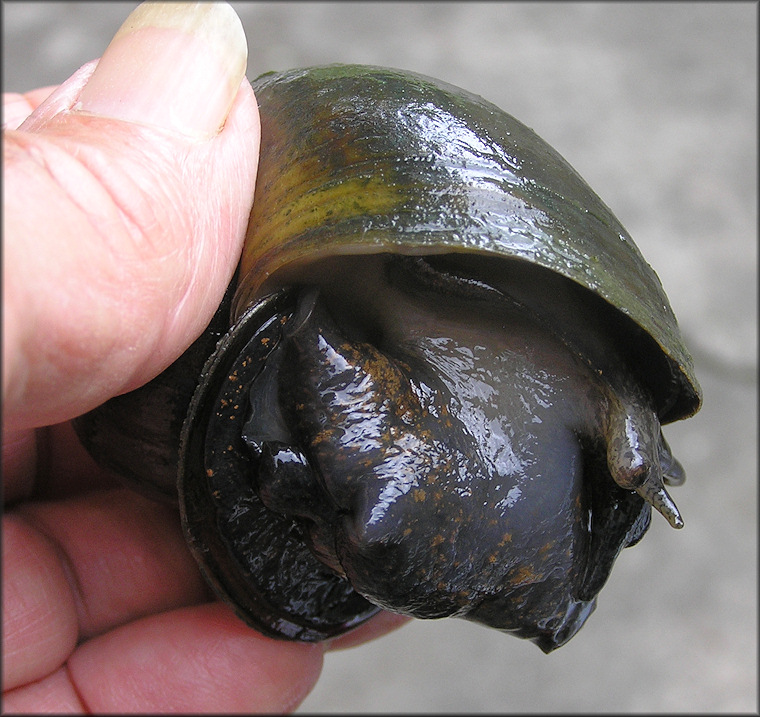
{"points": [[669, 373], [242, 560]]}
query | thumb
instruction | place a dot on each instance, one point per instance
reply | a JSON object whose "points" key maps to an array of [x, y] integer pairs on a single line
{"points": [[127, 194]]}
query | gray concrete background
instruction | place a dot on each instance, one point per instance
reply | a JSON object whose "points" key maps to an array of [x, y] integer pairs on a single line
{"points": [[655, 104]]}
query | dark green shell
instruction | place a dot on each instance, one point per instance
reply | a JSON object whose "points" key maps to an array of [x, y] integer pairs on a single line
{"points": [[366, 159]]}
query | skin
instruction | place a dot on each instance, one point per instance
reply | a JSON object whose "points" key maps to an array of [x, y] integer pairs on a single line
{"points": [[103, 606]]}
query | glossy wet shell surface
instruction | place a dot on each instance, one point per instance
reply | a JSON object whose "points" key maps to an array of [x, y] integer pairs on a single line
{"points": [[360, 159]]}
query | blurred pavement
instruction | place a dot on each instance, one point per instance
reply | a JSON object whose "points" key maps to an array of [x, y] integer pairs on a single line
{"points": [[655, 104]]}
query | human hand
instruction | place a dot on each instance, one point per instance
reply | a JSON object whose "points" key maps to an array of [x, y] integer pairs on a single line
{"points": [[127, 193]]}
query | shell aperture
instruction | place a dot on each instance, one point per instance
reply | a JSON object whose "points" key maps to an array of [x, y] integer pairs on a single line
{"points": [[444, 451]]}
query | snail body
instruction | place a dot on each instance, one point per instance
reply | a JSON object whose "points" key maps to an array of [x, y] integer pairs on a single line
{"points": [[436, 385]]}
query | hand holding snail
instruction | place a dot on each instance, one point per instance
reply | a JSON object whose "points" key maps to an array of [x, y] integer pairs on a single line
{"points": [[435, 383], [104, 235]]}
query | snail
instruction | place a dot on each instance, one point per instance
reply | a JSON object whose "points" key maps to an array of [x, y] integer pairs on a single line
{"points": [[435, 385]]}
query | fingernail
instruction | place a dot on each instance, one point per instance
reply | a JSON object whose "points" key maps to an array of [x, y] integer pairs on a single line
{"points": [[177, 66]]}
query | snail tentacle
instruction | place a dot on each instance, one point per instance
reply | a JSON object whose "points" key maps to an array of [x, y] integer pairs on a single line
{"points": [[637, 458]]}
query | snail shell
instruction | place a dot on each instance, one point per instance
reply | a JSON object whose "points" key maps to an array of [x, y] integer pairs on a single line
{"points": [[441, 376]]}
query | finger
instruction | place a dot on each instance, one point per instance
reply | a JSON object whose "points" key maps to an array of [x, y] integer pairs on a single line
{"points": [[200, 659], [39, 613], [383, 623], [193, 660], [54, 694], [145, 210], [79, 567], [19, 464], [17, 107], [49, 463]]}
